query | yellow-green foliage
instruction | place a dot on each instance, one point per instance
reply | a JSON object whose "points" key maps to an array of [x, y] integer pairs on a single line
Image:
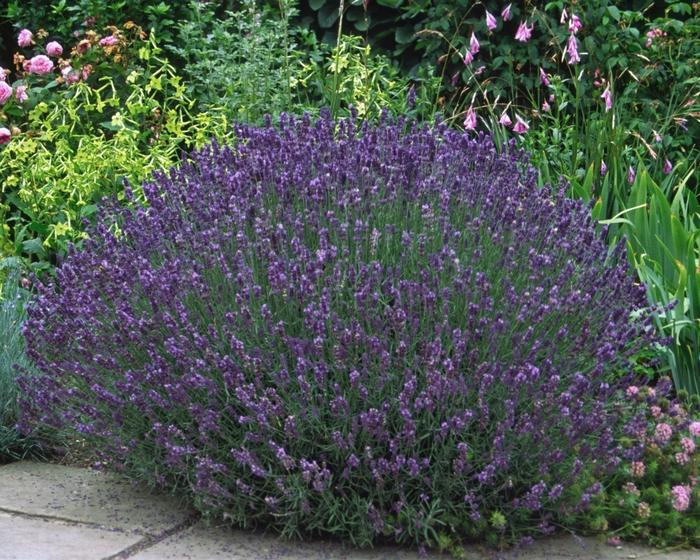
{"points": [[80, 146]]}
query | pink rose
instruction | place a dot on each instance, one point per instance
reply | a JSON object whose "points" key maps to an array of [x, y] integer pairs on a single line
{"points": [[21, 94], [25, 38], [5, 92], [69, 75], [3, 74], [40, 64], [5, 135], [86, 71], [83, 46], [54, 49], [108, 41]]}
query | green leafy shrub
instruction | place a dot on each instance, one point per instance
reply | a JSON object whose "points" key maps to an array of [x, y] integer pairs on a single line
{"points": [[76, 143], [66, 18], [245, 62], [256, 62]]}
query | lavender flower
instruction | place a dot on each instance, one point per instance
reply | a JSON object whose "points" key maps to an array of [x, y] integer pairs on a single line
{"points": [[328, 316]]}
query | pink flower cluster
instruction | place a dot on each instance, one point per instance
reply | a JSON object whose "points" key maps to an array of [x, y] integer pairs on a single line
{"points": [[694, 429], [680, 497], [652, 34], [638, 469], [663, 433]]}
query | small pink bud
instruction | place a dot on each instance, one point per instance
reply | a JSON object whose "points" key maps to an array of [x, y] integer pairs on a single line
{"points": [[470, 120], [521, 127], [505, 12], [607, 97], [491, 22], [474, 44]]}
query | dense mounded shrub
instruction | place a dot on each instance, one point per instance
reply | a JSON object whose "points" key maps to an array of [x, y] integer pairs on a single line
{"points": [[363, 333]]}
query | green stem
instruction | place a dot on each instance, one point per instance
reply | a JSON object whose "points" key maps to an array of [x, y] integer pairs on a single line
{"points": [[334, 101]]}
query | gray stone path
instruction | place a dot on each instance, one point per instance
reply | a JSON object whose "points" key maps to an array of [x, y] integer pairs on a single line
{"points": [[53, 512]]}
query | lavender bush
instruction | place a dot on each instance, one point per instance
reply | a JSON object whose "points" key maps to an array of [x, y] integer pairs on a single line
{"points": [[364, 333]]}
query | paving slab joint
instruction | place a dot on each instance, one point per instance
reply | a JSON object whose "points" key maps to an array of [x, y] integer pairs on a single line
{"points": [[151, 540], [68, 521]]}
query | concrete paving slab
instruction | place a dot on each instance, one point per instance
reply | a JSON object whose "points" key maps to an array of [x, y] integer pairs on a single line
{"points": [[201, 542], [23, 538], [83, 495], [576, 548]]}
